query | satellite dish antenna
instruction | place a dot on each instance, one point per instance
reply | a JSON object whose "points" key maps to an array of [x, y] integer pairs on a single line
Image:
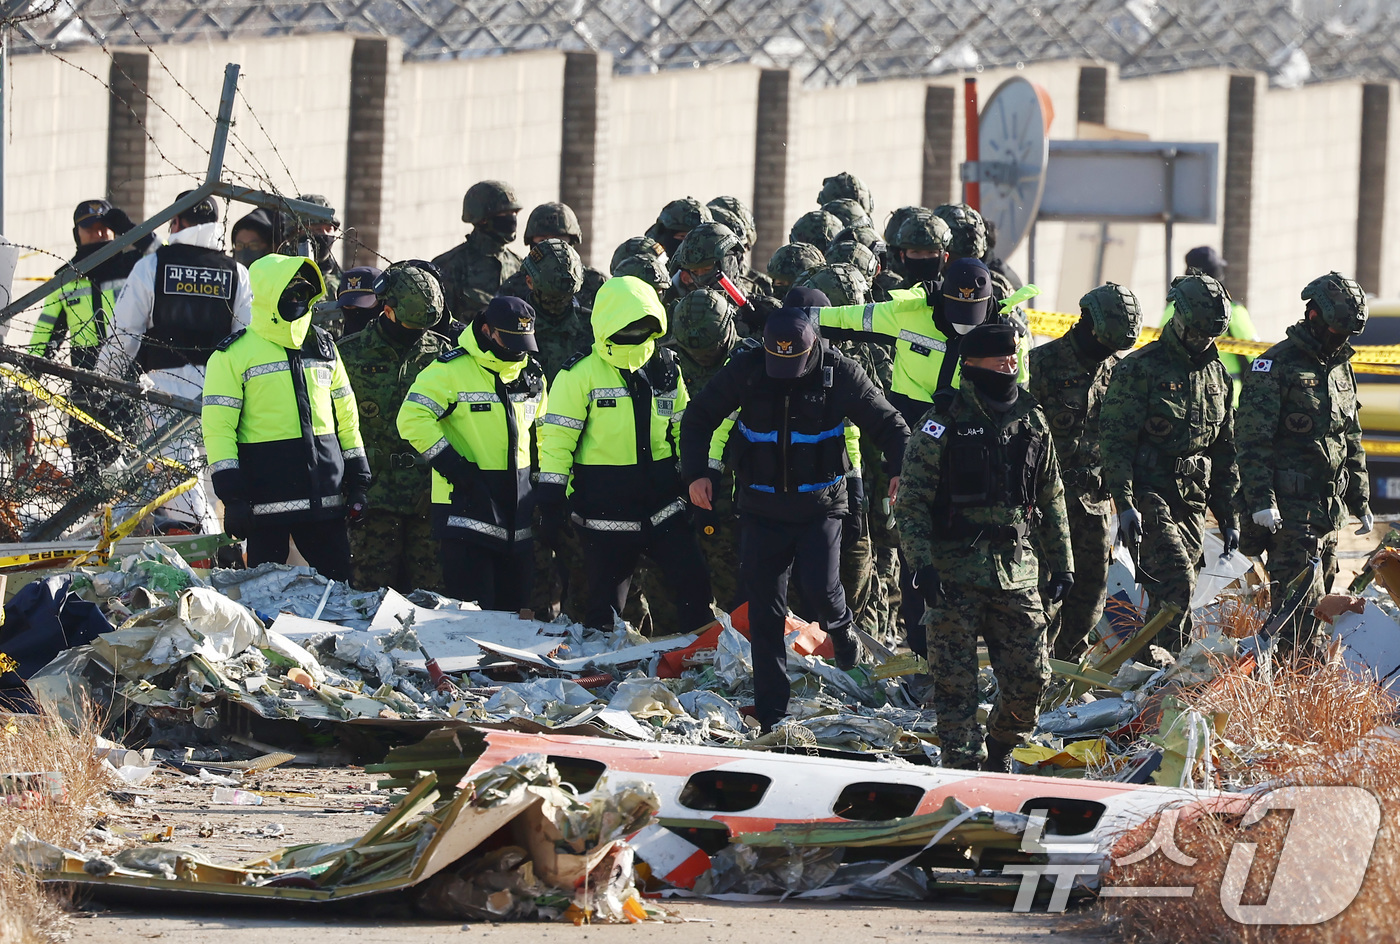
{"points": [[1013, 140]]}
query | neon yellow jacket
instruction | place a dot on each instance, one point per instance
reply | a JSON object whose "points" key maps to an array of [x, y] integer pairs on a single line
{"points": [[280, 424]]}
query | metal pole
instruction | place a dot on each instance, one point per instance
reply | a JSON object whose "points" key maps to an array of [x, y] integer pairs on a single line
{"points": [[1169, 167], [4, 68], [972, 190], [1030, 257], [222, 123]]}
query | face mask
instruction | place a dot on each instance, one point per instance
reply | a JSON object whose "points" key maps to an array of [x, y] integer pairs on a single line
{"points": [[997, 387], [500, 227], [1330, 341], [962, 328], [323, 243], [631, 335], [490, 346], [551, 303], [248, 256], [1192, 341], [295, 302], [922, 270]]}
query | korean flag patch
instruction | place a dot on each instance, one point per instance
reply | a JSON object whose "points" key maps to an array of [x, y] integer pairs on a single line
{"points": [[1262, 366], [934, 429]]}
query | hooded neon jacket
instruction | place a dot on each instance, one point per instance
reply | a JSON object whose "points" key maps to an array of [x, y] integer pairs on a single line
{"points": [[280, 423], [614, 417], [487, 410]]}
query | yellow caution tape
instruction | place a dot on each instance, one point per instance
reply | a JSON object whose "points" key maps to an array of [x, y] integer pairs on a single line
{"points": [[1369, 359], [112, 535], [1381, 447]]}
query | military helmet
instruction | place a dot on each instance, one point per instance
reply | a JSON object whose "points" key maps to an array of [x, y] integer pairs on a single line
{"points": [[1339, 300], [816, 228], [862, 257], [703, 319], [747, 230], [727, 219], [897, 219], [1113, 314], [646, 267], [555, 269], [414, 291], [841, 282], [705, 246], [790, 261], [319, 200], [924, 231], [846, 186], [848, 211], [969, 232], [554, 220], [1201, 303], [637, 246], [860, 232], [683, 215], [487, 198]]}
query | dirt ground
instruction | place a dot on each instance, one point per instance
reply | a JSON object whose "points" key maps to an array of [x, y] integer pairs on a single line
{"points": [[344, 803]]}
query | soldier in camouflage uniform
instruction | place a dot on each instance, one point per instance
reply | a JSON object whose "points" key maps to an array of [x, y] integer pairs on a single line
{"points": [[709, 250], [1168, 447], [980, 475], [677, 219], [850, 252], [1069, 377], [321, 236], [817, 228], [476, 267], [394, 545], [849, 212], [846, 186], [550, 280], [705, 335], [1302, 468], [789, 262], [734, 213], [892, 276], [921, 245], [555, 221]]}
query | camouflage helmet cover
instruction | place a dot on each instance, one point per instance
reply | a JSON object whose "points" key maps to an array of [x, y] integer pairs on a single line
{"points": [[1113, 314], [683, 215], [647, 267], [816, 228], [555, 270], [637, 246], [703, 320], [1201, 303], [790, 261], [486, 198], [862, 257], [725, 217], [707, 245], [556, 220], [840, 282], [413, 292], [846, 186], [897, 219], [848, 211], [924, 231], [748, 228], [969, 232], [1339, 300]]}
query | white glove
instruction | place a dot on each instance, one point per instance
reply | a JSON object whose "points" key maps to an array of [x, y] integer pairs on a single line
{"points": [[1368, 521], [1269, 518]]}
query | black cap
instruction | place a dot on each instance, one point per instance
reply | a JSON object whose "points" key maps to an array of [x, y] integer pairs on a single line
{"points": [[514, 319], [90, 211], [357, 288], [967, 291], [1207, 260], [205, 211], [801, 297], [789, 336], [988, 340]]}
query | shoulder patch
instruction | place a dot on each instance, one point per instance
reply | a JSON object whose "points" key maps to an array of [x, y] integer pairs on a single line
{"points": [[227, 342], [573, 360], [453, 354], [934, 428], [1262, 366]]}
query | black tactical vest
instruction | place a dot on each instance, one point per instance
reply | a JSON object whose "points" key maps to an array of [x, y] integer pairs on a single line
{"points": [[985, 467], [193, 308]]}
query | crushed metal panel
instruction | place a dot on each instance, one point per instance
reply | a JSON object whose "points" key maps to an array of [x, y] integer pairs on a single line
{"points": [[1372, 641]]}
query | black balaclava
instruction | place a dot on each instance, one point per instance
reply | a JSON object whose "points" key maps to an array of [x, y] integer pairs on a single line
{"points": [[500, 227], [399, 334], [999, 389], [1084, 335], [921, 270]]}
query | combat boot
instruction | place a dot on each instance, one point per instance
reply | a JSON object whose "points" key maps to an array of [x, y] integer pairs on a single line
{"points": [[998, 756]]}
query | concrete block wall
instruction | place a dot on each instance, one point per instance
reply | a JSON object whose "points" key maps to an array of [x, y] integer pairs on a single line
{"points": [[1390, 242], [468, 120]]}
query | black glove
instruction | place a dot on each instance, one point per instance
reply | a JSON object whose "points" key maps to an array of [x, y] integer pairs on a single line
{"points": [[238, 518], [356, 504], [552, 517], [755, 314], [927, 583], [458, 471], [853, 527], [1231, 538], [706, 520], [117, 221], [1059, 586], [1130, 527]]}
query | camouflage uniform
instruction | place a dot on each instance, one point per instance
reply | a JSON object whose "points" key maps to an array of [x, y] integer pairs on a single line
{"points": [[1300, 452], [394, 545], [676, 219], [475, 268], [988, 583], [848, 211], [1167, 443], [322, 247], [706, 251], [556, 221], [1069, 377]]}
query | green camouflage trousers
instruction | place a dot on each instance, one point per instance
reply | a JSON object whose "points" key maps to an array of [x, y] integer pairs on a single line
{"points": [[394, 550], [1082, 608], [1012, 623], [1169, 560], [1288, 554]]}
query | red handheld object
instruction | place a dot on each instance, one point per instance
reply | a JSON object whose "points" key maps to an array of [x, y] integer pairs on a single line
{"points": [[436, 675], [732, 290]]}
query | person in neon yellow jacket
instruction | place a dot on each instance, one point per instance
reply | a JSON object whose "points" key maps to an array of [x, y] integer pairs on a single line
{"points": [[472, 415], [610, 439], [281, 427]]}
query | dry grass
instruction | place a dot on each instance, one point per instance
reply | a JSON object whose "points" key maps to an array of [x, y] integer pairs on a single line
{"points": [[28, 915], [1308, 726]]}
